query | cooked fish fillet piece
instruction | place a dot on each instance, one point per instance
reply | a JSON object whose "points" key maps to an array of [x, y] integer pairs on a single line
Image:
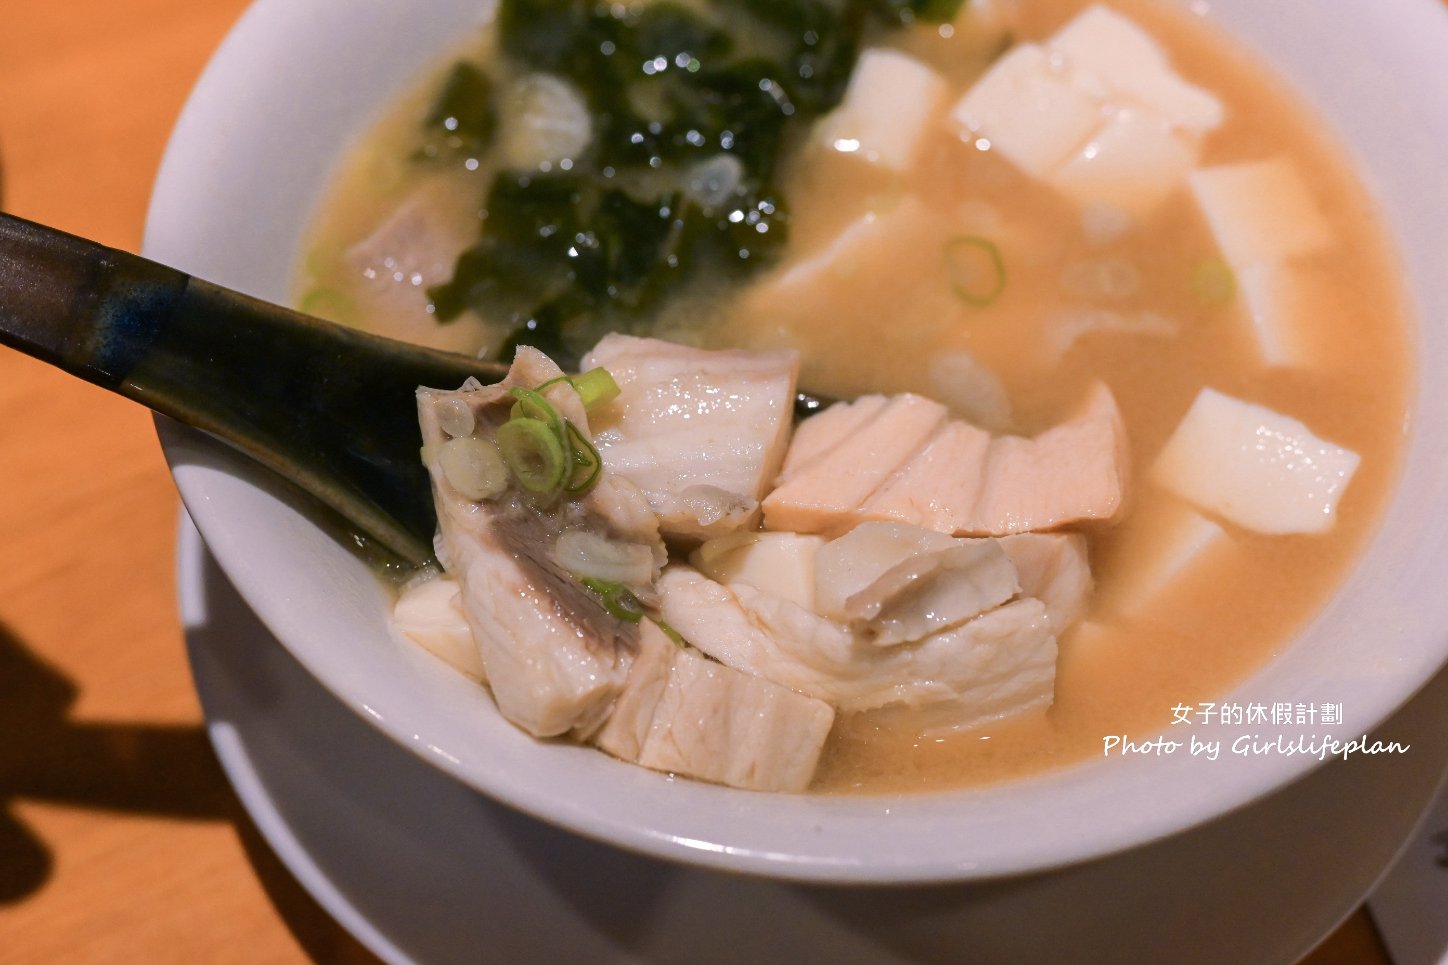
{"points": [[415, 246], [950, 476], [683, 713], [896, 583], [430, 614], [825, 430], [998, 664], [1072, 472], [626, 731], [939, 487], [1053, 568], [554, 657], [825, 494], [701, 433]]}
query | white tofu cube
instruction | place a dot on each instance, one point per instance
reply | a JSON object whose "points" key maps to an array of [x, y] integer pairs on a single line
{"points": [[906, 225], [1260, 212], [1097, 111], [1171, 542], [1032, 115], [1107, 53], [1132, 163], [781, 564], [1282, 301], [888, 107], [430, 614], [1254, 467]]}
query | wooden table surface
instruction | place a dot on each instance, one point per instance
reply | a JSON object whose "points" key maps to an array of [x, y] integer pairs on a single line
{"points": [[120, 839]]}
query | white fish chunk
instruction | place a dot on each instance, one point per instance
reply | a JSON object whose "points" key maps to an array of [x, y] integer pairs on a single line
{"points": [[887, 109], [700, 433], [1000, 663], [626, 730], [415, 246], [684, 714], [1254, 467], [896, 583], [554, 658], [852, 563], [939, 487], [710, 617], [430, 614], [1053, 568], [1071, 472], [908, 464], [825, 430], [824, 495]]}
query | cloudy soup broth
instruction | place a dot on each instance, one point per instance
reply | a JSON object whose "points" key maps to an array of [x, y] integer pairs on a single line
{"points": [[1004, 296]]}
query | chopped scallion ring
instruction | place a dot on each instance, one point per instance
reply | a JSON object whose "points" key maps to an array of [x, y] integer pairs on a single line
{"points": [[532, 451], [672, 634], [546, 452], [532, 405], [1214, 283], [584, 461], [617, 599], [595, 387], [977, 271], [545, 386]]}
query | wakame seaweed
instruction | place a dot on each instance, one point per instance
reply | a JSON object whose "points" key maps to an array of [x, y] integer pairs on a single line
{"points": [[567, 255], [464, 118]]}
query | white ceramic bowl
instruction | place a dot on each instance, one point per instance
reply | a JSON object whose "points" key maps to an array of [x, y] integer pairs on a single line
{"points": [[298, 80]]}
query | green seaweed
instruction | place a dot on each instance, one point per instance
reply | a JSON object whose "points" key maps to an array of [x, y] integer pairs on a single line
{"points": [[566, 255], [464, 118]]}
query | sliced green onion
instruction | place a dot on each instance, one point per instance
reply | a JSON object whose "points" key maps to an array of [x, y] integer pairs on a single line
{"points": [[584, 461], [617, 599], [1214, 283], [532, 405], [532, 451], [595, 387], [552, 382], [671, 633], [977, 271], [547, 452]]}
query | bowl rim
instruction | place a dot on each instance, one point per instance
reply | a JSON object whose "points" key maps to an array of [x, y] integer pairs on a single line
{"points": [[215, 483]]}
